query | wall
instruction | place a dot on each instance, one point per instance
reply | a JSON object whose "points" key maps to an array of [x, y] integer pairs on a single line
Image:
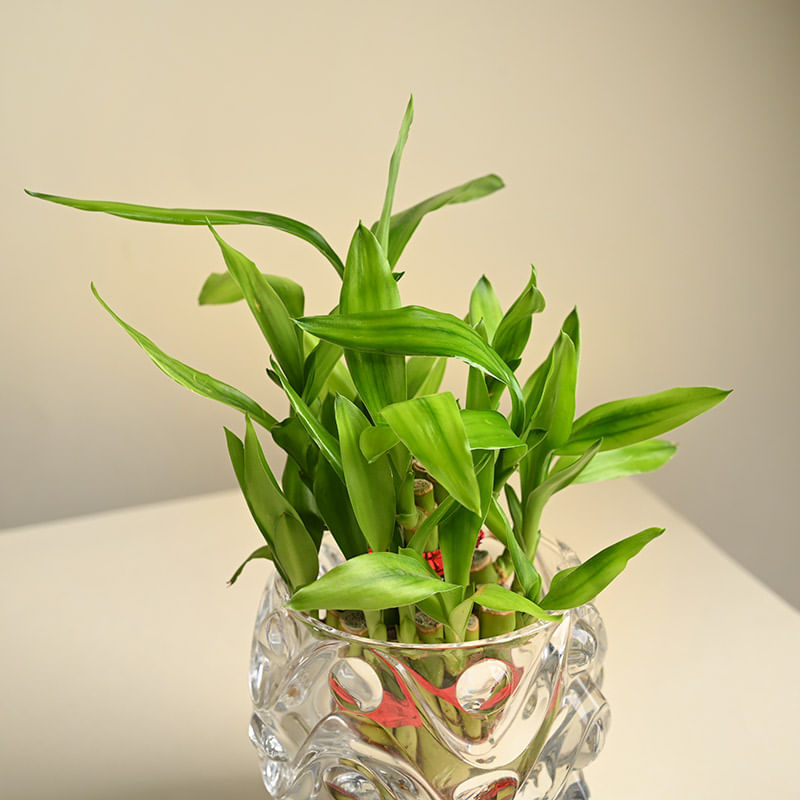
{"points": [[651, 157]]}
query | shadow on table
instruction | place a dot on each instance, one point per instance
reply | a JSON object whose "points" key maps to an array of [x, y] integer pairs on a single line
{"points": [[235, 788]]}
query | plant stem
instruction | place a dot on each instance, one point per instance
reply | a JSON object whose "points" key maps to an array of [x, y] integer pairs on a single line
{"points": [[482, 569], [496, 623]]}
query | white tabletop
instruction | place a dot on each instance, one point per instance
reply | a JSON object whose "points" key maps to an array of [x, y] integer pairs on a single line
{"points": [[124, 657]]}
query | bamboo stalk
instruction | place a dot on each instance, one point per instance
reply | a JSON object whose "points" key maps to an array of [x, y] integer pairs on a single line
{"points": [[406, 627], [406, 508], [376, 625], [482, 569], [430, 631], [473, 629], [332, 619], [423, 494], [496, 623], [353, 622]]}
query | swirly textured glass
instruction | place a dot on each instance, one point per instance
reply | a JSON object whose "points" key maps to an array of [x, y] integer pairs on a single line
{"points": [[338, 717]]}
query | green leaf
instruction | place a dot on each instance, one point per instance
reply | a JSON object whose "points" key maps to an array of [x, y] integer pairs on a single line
{"points": [[424, 375], [534, 386], [269, 311], [631, 460], [458, 532], [368, 286], [316, 430], [320, 363], [526, 573], [624, 422], [220, 287], [382, 232], [369, 484], [291, 545], [370, 582], [290, 435], [488, 430], [556, 409], [340, 382], [404, 223], [477, 391], [515, 328], [575, 586], [494, 596], [484, 305], [377, 440], [431, 428], [414, 330], [336, 510], [514, 507], [544, 491], [301, 498], [198, 382], [442, 512], [261, 552], [236, 452], [191, 216]]}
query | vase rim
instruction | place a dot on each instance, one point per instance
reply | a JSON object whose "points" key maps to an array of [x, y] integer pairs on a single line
{"points": [[503, 639]]}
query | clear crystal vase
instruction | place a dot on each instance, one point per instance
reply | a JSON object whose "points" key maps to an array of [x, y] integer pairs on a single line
{"points": [[338, 717]]}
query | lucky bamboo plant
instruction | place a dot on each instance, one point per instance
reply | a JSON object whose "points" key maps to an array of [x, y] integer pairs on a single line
{"points": [[407, 478]]}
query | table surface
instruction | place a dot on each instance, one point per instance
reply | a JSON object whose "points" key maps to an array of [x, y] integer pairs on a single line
{"points": [[124, 668]]}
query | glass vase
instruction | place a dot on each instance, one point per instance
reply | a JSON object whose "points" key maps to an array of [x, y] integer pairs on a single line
{"points": [[340, 717]]}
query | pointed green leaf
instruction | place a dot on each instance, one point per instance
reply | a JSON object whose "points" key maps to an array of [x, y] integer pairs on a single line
{"points": [[526, 573], [484, 305], [534, 386], [191, 216], [404, 223], [488, 430], [575, 586], [318, 368], [290, 435], [369, 484], [220, 288], [514, 507], [442, 512], [544, 491], [494, 596], [301, 498], [370, 582], [316, 430], [198, 382], [340, 382], [291, 545], [515, 328], [336, 510], [431, 428], [624, 422], [261, 552], [377, 440], [556, 408], [414, 330], [382, 232], [631, 460], [269, 311], [458, 532], [477, 391], [368, 285], [424, 375]]}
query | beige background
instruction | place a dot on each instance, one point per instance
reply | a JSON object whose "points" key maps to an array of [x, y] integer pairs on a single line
{"points": [[651, 157]]}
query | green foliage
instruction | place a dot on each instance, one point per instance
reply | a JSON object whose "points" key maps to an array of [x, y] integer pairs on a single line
{"points": [[383, 459]]}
